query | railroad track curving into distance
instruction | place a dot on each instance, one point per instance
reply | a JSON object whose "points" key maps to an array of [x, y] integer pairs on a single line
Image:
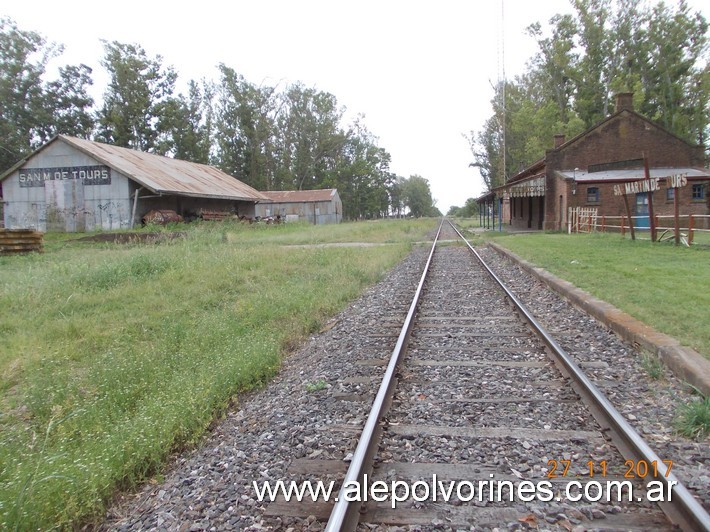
{"points": [[482, 420]]}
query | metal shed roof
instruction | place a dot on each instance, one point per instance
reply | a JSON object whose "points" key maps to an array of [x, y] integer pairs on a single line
{"points": [[300, 196], [164, 175]]}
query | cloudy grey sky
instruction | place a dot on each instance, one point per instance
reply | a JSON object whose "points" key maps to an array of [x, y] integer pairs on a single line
{"points": [[420, 71]]}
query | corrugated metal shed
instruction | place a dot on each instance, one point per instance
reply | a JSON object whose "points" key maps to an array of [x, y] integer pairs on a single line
{"points": [[164, 175], [71, 184], [315, 206]]}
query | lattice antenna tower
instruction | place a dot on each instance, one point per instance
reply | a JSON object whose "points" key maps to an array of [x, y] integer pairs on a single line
{"points": [[501, 88]]}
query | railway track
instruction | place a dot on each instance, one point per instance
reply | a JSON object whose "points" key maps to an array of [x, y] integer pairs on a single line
{"points": [[480, 421]]}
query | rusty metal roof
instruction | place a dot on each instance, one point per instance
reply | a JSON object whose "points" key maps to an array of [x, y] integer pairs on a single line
{"points": [[164, 175], [301, 196]]}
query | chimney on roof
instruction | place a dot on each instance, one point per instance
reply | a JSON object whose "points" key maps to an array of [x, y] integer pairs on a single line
{"points": [[624, 100], [559, 140]]}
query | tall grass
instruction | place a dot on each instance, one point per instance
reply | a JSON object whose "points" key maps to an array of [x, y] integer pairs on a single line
{"points": [[112, 357]]}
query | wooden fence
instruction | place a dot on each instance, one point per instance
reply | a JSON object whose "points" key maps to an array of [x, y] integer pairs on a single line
{"points": [[582, 219], [587, 220]]}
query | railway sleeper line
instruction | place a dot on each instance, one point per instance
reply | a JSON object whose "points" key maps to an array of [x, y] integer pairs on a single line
{"points": [[478, 398]]}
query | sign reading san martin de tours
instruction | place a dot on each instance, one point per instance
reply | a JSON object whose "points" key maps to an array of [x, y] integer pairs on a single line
{"points": [[88, 175], [650, 185]]}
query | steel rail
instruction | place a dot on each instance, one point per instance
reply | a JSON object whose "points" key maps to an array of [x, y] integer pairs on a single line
{"points": [[684, 510], [345, 513]]}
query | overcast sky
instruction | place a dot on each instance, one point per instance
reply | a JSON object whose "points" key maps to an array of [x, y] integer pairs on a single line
{"points": [[419, 71]]}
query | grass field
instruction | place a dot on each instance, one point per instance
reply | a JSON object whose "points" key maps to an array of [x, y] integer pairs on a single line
{"points": [[664, 286], [114, 356]]}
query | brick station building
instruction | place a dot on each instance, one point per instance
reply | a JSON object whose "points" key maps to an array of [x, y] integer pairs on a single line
{"points": [[598, 168]]}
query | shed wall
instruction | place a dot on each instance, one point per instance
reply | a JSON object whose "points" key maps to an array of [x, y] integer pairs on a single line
{"points": [[318, 212], [66, 204]]}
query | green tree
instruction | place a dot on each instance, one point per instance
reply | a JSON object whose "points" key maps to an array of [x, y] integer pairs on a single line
{"points": [[627, 37], [362, 175], [530, 124], [487, 144], [659, 54], [311, 137], [32, 110], [294, 140], [582, 60], [186, 124], [553, 69], [674, 71], [138, 94], [470, 208], [21, 94], [23, 60], [245, 126], [396, 198], [417, 196], [593, 70], [69, 104]]}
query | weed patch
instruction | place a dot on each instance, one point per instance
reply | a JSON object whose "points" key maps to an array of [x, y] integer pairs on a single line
{"points": [[316, 386], [652, 365], [693, 419]]}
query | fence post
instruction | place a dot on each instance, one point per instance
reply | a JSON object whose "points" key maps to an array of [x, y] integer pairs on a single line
{"points": [[690, 230], [651, 217], [623, 228], [603, 223], [676, 216]]}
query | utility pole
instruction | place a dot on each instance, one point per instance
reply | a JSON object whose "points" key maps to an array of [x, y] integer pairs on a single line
{"points": [[501, 84]]}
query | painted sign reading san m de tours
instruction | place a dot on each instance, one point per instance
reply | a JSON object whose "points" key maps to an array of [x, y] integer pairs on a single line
{"points": [[88, 175]]}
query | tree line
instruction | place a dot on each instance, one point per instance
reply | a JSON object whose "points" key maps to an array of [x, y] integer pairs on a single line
{"points": [[660, 53], [269, 137]]}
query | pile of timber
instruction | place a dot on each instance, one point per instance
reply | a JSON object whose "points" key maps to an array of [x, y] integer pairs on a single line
{"points": [[215, 216], [20, 241]]}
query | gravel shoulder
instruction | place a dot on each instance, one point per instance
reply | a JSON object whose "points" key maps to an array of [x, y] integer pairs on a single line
{"points": [[616, 367]]}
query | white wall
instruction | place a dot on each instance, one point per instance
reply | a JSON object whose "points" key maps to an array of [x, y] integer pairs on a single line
{"points": [[65, 204]]}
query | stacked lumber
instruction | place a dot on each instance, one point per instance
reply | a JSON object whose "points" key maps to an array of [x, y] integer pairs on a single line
{"points": [[20, 241], [161, 217], [215, 216]]}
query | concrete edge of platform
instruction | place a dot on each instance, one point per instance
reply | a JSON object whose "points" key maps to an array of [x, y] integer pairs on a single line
{"points": [[685, 363]]}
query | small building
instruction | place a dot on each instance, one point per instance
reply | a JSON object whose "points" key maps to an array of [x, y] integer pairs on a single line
{"points": [[72, 184], [314, 206], [602, 168]]}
